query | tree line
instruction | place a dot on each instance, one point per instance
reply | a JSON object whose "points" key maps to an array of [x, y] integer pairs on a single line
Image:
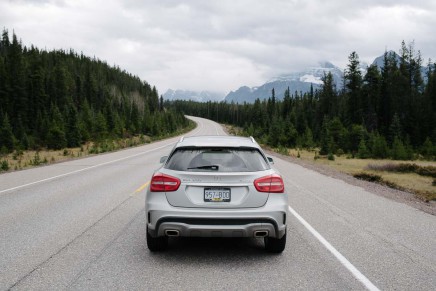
{"points": [[388, 112], [57, 99]]}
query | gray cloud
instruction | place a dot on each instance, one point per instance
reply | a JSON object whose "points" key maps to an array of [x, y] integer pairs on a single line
{"points": [[221, 45]]}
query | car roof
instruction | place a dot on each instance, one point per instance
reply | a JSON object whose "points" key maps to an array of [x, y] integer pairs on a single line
{"points": [[217, 141]]}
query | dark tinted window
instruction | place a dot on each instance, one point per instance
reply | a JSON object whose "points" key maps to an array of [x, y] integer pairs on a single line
{"points": [[217, 159]]}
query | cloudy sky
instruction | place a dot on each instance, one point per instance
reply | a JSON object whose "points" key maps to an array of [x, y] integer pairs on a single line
{"points": [[224, 44]]}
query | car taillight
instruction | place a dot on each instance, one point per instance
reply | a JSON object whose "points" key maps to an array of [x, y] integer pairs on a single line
{"points": [[271, 183], [164, 183]]}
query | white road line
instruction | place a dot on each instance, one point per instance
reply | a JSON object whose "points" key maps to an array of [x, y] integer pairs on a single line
{"points": [[84, 169], [346, 263], [88, 168]]}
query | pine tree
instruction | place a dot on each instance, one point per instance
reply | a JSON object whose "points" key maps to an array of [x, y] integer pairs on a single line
{"points": [[56, 138], [327, 97], [427, 149], [362, 151], [325, 138], [101, 131], [7, 138], [379, 146], [371, 97], [386, 108], [73, 135], [308, 138], [353, 86], [395, 129], [398, 150]]}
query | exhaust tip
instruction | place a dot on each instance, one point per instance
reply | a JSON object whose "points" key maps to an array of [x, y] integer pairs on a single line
{"points": [[260, 233], [172, 232]]}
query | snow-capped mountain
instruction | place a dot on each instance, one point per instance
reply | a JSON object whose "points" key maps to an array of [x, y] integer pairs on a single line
{"points": [[202, 96], [298, 81], [380, 60]]}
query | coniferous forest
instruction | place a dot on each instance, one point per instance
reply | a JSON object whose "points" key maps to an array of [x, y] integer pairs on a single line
{"points": [[388, 112], [61, 99]]}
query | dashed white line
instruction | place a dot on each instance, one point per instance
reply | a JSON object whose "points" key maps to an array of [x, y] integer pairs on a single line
{"points": [[343, 260]]}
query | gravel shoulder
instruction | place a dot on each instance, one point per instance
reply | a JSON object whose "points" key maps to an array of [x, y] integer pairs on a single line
{"points": [[381, 190]]}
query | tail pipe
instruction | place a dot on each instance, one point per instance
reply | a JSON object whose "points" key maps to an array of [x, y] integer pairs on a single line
{"points": [[172, 232], [261, 233]]}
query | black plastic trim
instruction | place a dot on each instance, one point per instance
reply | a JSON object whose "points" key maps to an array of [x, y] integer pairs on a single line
{"points": [[216, 221]]}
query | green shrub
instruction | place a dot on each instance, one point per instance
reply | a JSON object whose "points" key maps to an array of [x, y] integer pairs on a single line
{"points": [[368, 177], [4, 166], [331, 157], [36, 160]]}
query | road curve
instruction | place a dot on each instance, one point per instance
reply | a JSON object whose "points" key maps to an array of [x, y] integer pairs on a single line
{"points": [[80, 225]]}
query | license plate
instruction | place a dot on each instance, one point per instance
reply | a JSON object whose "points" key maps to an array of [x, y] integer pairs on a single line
{"points": [[217, 195]]}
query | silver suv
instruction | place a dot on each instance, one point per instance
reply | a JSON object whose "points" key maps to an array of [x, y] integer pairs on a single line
{"points": [[216, 186]]}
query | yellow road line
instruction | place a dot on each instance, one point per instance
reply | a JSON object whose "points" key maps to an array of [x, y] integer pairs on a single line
{"points": [[142, 187]]}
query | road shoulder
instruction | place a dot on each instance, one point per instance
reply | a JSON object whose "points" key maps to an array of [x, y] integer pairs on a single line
{"points": [[381, 190]]}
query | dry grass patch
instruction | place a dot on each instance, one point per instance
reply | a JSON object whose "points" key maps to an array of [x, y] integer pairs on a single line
{"points": [[405, 177], [20, 160]]}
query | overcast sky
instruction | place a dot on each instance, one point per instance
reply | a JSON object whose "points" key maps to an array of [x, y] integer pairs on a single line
{"points": [[224, 44]]}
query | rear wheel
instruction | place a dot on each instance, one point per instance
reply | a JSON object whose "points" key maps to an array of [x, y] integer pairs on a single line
{"points": [[157, 244], [275, 245]]}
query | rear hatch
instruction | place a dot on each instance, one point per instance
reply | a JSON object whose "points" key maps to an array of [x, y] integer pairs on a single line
{"points": [[217, 190]]}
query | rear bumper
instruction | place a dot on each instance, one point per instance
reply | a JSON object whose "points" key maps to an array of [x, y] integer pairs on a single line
{"points": [[213, 222]]}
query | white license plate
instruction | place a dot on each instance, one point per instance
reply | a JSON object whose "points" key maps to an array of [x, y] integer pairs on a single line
{"points": [[217, 194]]}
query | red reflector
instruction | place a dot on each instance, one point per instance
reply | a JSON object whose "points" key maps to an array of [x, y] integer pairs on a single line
{"points": [[164, 183], [271, 183]]}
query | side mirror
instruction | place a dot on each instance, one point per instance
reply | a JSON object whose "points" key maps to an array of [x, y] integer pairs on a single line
{"points": [[270, 160], [163, 159]]}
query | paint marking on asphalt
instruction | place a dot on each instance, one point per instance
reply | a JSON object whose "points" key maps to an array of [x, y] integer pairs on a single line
{"points": [[95, 166], [142, 187], [84, 169], [346, 263]]}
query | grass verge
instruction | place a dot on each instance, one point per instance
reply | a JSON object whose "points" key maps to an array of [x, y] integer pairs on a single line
{"points": [[417, 177]]}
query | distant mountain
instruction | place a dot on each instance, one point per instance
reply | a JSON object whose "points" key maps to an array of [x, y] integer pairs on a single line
{"points": [[299, 81], [296, 82], [380, 60], [202, 96], [380, 64]]}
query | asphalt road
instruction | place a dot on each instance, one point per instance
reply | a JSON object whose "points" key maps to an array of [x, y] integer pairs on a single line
{"points": [[80, 225]]}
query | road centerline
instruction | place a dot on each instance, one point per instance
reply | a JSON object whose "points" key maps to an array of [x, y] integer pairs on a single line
{"points": [[142, 187], [343, 260]]}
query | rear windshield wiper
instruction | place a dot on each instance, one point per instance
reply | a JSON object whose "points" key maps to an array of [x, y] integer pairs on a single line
{"points": [[211, 167]]}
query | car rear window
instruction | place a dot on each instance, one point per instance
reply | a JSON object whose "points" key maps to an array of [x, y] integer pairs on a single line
{"points": [[217, 159]]}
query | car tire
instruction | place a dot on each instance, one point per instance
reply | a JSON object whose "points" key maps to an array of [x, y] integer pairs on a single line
{"points": [[157, 244], [275, 245]]}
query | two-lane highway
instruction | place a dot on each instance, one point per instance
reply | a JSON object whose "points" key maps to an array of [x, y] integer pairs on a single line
{"points": [[80, 225]]}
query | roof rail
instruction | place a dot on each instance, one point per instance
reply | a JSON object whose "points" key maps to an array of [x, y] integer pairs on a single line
{"points": [[252, 139], [181, 139]]}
